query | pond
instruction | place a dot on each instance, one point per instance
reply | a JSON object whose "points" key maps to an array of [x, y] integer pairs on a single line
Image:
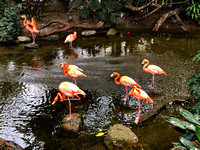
{"points": [[30, 77]]}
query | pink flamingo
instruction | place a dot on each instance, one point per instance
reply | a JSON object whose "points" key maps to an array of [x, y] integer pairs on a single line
{"points": [[70, 38], [70, 90], [31, 26], [153, 69], [74, 72], [65, 64], [140, 95], [126, 81]]}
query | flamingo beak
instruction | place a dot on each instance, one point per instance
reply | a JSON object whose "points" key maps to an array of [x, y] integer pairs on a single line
{"points": [[53, 103]]}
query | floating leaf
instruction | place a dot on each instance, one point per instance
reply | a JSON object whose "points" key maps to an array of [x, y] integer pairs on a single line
{"points": [[100, 134], [189, 116], [198, 132]]}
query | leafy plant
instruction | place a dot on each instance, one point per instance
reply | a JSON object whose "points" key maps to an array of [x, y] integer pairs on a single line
{"points": [[193, 82], [101, 10], [9, 24], [193, 10], [190, 128]]}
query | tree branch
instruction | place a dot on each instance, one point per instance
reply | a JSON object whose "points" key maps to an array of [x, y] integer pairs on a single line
{"points": [[139, 8]]}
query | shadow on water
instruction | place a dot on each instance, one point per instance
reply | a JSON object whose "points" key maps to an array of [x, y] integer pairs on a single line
{"points": [[30, 78]]}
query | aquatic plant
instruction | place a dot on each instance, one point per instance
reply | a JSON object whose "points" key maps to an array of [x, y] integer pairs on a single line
{"points": [[190, 128]]}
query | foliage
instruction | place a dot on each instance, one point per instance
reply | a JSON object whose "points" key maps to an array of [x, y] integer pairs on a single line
{"points": [[190, 128], [9, 24], [101, 11], [193, 10], [193, 82]]}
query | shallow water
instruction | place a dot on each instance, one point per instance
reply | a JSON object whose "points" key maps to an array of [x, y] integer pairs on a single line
{"points": [[30, 78]]}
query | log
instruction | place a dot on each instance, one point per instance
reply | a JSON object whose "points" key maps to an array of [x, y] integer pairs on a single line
{"points": [[139, 8], [67, 26], [167, 15]]}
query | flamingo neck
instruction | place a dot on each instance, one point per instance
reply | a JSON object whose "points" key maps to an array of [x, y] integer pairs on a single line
{"points": [[145, 65], [117, 82], [25, 21]]}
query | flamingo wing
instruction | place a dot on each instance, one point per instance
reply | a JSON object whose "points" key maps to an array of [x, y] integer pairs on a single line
{"points": [[140, 94], [154, 69], [127, 81], [34, 23]]}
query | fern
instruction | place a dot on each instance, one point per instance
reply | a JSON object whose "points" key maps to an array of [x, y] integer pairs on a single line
{"points": [[197, 56]]}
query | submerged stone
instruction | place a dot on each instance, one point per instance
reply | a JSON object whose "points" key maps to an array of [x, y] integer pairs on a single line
{"points": [[111, 32], [88, 32], [31, 46], [23, 39], [72, 124], [120, 137], [9, 145]]}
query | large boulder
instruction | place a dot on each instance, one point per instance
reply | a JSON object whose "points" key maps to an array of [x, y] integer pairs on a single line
{"points": [[72, 124], [24, 39], [31, 46], [120, 137]]}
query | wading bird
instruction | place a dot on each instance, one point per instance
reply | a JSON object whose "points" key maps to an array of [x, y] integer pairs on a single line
{"points": [[126, 81], [153, 69], [70, 38], [70, 90], [31, 26], [140, 95], [72, 71]]}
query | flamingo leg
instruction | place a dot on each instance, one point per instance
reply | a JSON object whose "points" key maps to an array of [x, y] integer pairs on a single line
{"points": [[69, 109], [70, 44], [138, 117], [126, 94], [152, 83], [33, 36], [74, 78]]}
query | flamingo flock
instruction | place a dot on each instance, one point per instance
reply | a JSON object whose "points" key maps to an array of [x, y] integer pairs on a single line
{"points": [[71, 90]]}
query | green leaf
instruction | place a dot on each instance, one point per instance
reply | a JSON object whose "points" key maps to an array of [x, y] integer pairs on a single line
{"points": [[175, 122], [189, 116], [187, 143], [198, 132]]}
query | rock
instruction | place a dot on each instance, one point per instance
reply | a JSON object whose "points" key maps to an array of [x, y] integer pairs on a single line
{"points": [[88, 32], [72, 124], [52, 38], [120, 137], [31, 46], [111, 32], [23, 39], [9, 145]]}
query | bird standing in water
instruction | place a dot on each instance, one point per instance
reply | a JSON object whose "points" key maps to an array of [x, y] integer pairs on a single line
{"points": [[31, 26], [72, 71], [153, 69], [126, 81], [70, 38], [140, 95], [70, 90]]}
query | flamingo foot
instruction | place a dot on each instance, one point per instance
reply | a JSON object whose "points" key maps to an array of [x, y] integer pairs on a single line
{"points": [[33, 43], [152, 87], [137, 120], [69, 118]]}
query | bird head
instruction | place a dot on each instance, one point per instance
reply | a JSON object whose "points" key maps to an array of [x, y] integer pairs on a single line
{"points": [[113, 74], [23, 16], [64, 64], [144, 62]]}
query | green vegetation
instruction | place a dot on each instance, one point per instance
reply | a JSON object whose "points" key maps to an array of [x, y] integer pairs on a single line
{"points": [[102, 11], [193, 82], [9, 23], [190, 128], [193, 10]]}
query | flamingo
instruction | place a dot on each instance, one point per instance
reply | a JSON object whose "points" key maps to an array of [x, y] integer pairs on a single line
{"points": [[153, 69], [72, 71], [31, 26], [140, 95], [74, 67], [70, 38], [126, 81], [70, 90]]}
